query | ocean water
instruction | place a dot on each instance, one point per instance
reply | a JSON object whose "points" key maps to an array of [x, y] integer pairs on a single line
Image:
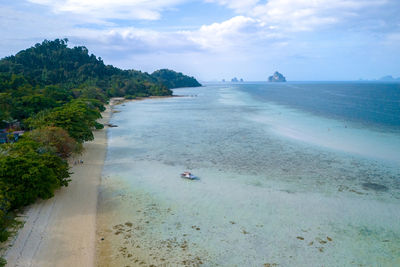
{"points": [[295, 174]]}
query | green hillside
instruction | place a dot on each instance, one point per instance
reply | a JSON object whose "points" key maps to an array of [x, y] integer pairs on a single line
{"points": [[173, 79]]}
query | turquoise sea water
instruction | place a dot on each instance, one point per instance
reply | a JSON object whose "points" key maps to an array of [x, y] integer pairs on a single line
{"points": [[290, 174]]}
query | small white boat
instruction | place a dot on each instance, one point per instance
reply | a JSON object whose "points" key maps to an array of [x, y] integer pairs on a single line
{"points": [[188, 175]]}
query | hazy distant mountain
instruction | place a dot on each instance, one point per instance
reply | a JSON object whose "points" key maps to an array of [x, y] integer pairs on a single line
{"points": [[389, 78], [234, 80], [277, 77]]}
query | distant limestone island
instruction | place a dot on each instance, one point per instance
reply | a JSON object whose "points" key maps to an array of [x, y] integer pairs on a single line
{"points": [[236, 80], [277, 77]]}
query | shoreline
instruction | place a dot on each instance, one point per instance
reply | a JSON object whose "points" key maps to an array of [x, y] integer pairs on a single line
{"points": [[233, 216], [117, 232], [61, 231]]}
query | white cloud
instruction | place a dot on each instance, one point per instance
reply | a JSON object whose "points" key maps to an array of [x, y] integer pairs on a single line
{"points": [[278, 15], [136, 41], [241, 6], [266, 34], [111, 9], [232, 32], [301, 15]]}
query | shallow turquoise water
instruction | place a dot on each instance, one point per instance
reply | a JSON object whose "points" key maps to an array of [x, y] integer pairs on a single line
{"points": [[277, 184]]}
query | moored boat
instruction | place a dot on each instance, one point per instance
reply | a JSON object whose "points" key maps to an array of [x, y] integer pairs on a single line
{"points": [[188, 175]]}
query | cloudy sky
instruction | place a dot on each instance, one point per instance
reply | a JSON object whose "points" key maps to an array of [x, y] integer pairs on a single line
{"points": [[216, 39]]}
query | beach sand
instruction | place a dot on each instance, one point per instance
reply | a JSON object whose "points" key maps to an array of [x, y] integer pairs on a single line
{"points": [[61, 231]]}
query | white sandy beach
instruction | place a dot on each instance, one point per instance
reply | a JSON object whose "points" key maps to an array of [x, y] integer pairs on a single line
{"points": [[61, 231]]}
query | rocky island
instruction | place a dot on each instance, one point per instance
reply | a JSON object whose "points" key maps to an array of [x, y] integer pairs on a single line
{"points": [[277, 77]]}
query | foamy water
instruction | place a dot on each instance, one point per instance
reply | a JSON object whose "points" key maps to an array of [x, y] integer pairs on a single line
{"points": [[277, 186]]}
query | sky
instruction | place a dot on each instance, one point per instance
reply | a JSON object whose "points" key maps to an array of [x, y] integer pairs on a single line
{"points": [[219, 39]]}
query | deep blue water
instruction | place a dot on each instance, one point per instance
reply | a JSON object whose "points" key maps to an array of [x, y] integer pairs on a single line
{"points": [[370, 104]]}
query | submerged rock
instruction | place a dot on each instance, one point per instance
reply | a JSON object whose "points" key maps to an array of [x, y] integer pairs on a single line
{"points": [[374, 186]]}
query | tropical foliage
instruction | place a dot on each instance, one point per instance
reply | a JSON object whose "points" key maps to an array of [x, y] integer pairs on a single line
{"points": [[55, 140], [173, 79], [28, 172], [55, 94], [77, 117]]}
